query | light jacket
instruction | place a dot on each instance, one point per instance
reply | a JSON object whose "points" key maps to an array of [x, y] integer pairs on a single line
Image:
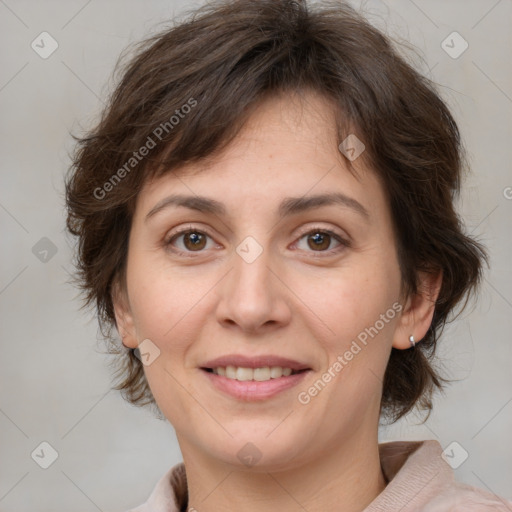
{"points": [[419, 480]]}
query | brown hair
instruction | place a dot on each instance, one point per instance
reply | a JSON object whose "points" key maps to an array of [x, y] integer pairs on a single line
{"points": [[219, 63]]}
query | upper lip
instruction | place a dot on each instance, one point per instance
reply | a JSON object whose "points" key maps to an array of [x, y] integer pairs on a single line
{"points": [[254, 362]]}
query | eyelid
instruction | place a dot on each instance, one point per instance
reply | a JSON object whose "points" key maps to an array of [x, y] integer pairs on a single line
{"points": [[331, 231], [343, 240], [183, 231]]}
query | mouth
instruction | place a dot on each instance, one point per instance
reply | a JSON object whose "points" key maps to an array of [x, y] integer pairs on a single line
{"points": [[253, 384], [263, 374]]}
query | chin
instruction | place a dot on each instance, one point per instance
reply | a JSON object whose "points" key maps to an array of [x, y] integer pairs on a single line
{"points": [[258, 452]]}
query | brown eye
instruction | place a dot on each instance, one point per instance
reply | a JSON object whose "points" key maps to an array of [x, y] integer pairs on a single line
{"points": [[194, 240], [319, 241]]}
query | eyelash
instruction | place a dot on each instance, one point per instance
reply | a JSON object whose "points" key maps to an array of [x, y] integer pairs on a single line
{"points": [[190, 229]]}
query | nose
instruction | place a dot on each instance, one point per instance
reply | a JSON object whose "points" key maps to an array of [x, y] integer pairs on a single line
{"points": [[254, 295]]}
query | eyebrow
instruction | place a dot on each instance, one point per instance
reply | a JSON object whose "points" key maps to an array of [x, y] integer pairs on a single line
{"points": [[289, 205]]}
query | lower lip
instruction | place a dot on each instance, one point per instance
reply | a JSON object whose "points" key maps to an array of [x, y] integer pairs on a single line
{"points": [[252, 389]]}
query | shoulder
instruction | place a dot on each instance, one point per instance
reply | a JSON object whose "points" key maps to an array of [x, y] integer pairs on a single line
{"points": [[169, 494], [464, 498], [420, 480]]}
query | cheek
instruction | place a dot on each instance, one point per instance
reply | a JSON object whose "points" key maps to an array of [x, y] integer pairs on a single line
{"points": [[163, 297], [360, 306], [354, 298], [168, 310]]}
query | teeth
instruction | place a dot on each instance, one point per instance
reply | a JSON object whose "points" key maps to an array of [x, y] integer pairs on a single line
{"points": [[258, 374]]}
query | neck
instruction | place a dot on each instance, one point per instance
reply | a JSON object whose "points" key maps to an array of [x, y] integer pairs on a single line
{"points": [[350, 475]]}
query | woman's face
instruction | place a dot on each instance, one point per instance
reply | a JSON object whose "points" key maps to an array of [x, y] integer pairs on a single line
{"points": [[274, 275]]}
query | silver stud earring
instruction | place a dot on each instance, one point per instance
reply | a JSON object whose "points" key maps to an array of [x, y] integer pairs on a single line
{"points": [[411, 339]]}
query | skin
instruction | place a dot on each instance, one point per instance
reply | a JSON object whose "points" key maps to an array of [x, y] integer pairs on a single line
{"points": [[293, 300]]}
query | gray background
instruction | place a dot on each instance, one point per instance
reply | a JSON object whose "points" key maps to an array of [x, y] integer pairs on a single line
{"points": [[54, 377]]}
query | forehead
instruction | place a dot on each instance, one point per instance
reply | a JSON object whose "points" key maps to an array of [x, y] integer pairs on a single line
{"points": [[287, 147]]}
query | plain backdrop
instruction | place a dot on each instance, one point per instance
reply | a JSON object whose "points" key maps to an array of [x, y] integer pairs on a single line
{"points": [[55, 383]]}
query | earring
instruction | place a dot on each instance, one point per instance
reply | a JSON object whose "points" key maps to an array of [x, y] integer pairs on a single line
{"points": [[411, 339]]}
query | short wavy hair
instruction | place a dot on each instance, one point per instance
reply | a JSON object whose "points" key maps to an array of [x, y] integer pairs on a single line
{"points": [[220, 61]]}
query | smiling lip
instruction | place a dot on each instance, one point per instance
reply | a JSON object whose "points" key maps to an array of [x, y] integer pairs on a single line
{"points": [[251, 390], [254, 362]]}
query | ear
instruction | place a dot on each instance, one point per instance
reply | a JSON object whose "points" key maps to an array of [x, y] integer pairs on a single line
{"points": [[124, 319], [418, 311]]}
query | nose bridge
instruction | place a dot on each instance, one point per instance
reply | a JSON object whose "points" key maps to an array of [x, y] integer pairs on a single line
{"points": [[252, 269], [252, 296], [252, 255]]}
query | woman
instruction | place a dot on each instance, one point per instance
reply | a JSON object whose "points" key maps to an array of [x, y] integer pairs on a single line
{"points": [[265, 215]]}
